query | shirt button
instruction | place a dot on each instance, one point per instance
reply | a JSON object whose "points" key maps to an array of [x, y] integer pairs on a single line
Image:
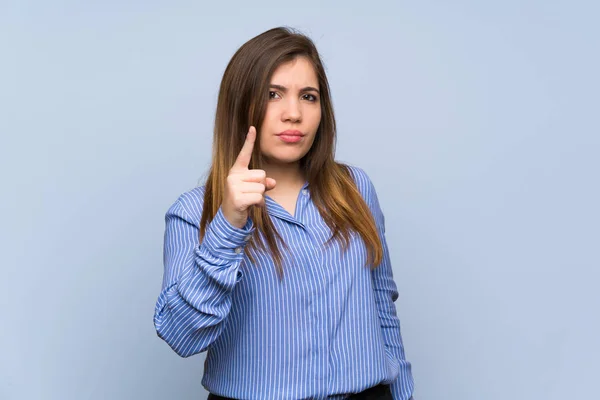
{"points": [[238, 250], [305, 191], [247, 238]]}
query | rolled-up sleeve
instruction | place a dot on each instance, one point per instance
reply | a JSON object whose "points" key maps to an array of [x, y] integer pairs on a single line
{"points": [[198, 279]]}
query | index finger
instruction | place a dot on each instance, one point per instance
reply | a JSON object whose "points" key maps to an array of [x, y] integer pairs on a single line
{"points": [[243, 159]]}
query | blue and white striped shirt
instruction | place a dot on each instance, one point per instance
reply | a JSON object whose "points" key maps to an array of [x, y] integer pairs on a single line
{"points": [[327, 329]]}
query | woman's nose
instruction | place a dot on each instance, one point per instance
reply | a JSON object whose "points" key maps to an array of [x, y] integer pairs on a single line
{"points": [[292, 111]]}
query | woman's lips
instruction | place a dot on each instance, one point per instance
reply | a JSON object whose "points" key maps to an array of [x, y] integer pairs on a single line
{"points": [[291, 136]]}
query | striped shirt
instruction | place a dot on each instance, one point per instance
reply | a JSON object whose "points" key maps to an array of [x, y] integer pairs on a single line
{"points": [[329, 328]]}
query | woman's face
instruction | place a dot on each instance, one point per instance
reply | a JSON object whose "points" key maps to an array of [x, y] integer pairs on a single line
{"points": [[293, 113]]}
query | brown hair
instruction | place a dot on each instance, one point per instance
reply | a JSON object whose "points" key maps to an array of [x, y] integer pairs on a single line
{"points": [[242, 102]]}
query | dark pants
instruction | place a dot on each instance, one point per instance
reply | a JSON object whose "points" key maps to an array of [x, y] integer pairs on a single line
{"points": [[379, 392]]}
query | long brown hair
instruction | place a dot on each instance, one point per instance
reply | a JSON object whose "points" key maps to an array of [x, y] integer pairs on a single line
{"points": [[242, 102]]}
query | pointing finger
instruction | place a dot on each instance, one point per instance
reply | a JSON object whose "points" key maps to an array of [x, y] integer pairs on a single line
{"points": [[243, 158]]}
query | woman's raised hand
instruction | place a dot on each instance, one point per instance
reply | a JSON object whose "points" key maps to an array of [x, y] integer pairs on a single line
{"points": [[245, 187]]}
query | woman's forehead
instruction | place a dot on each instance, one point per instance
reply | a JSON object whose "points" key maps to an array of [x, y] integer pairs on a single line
{"points": [[296, 73]]}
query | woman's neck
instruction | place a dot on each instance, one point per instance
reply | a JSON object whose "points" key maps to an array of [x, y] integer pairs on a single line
{"points": [[287, 176]]}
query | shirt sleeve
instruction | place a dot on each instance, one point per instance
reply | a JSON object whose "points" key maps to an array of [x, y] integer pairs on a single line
{"points": [[198, 279], [386, 293]]}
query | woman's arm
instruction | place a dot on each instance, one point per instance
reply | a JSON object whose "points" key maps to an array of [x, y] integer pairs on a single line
{"points": [[198, 279], [386, 293]]}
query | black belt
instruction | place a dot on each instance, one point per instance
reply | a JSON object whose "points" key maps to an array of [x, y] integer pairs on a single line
{"points": [[379, 392]]}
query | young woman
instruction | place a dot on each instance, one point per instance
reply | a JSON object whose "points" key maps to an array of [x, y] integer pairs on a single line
{"points": [[278, 266]]}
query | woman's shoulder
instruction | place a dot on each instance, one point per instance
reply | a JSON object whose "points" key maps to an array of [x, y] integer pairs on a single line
{"points": [[189, 204], [361, 179]]}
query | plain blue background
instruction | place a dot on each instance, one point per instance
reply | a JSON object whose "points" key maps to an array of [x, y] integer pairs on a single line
{"points": [[476, 120]]}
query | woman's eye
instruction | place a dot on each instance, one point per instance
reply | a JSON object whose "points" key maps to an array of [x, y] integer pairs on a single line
{"points": [[310, 97], [273, 95]]}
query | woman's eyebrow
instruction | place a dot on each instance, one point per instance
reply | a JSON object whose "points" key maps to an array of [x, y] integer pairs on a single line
{"points": [[284, 89]]}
